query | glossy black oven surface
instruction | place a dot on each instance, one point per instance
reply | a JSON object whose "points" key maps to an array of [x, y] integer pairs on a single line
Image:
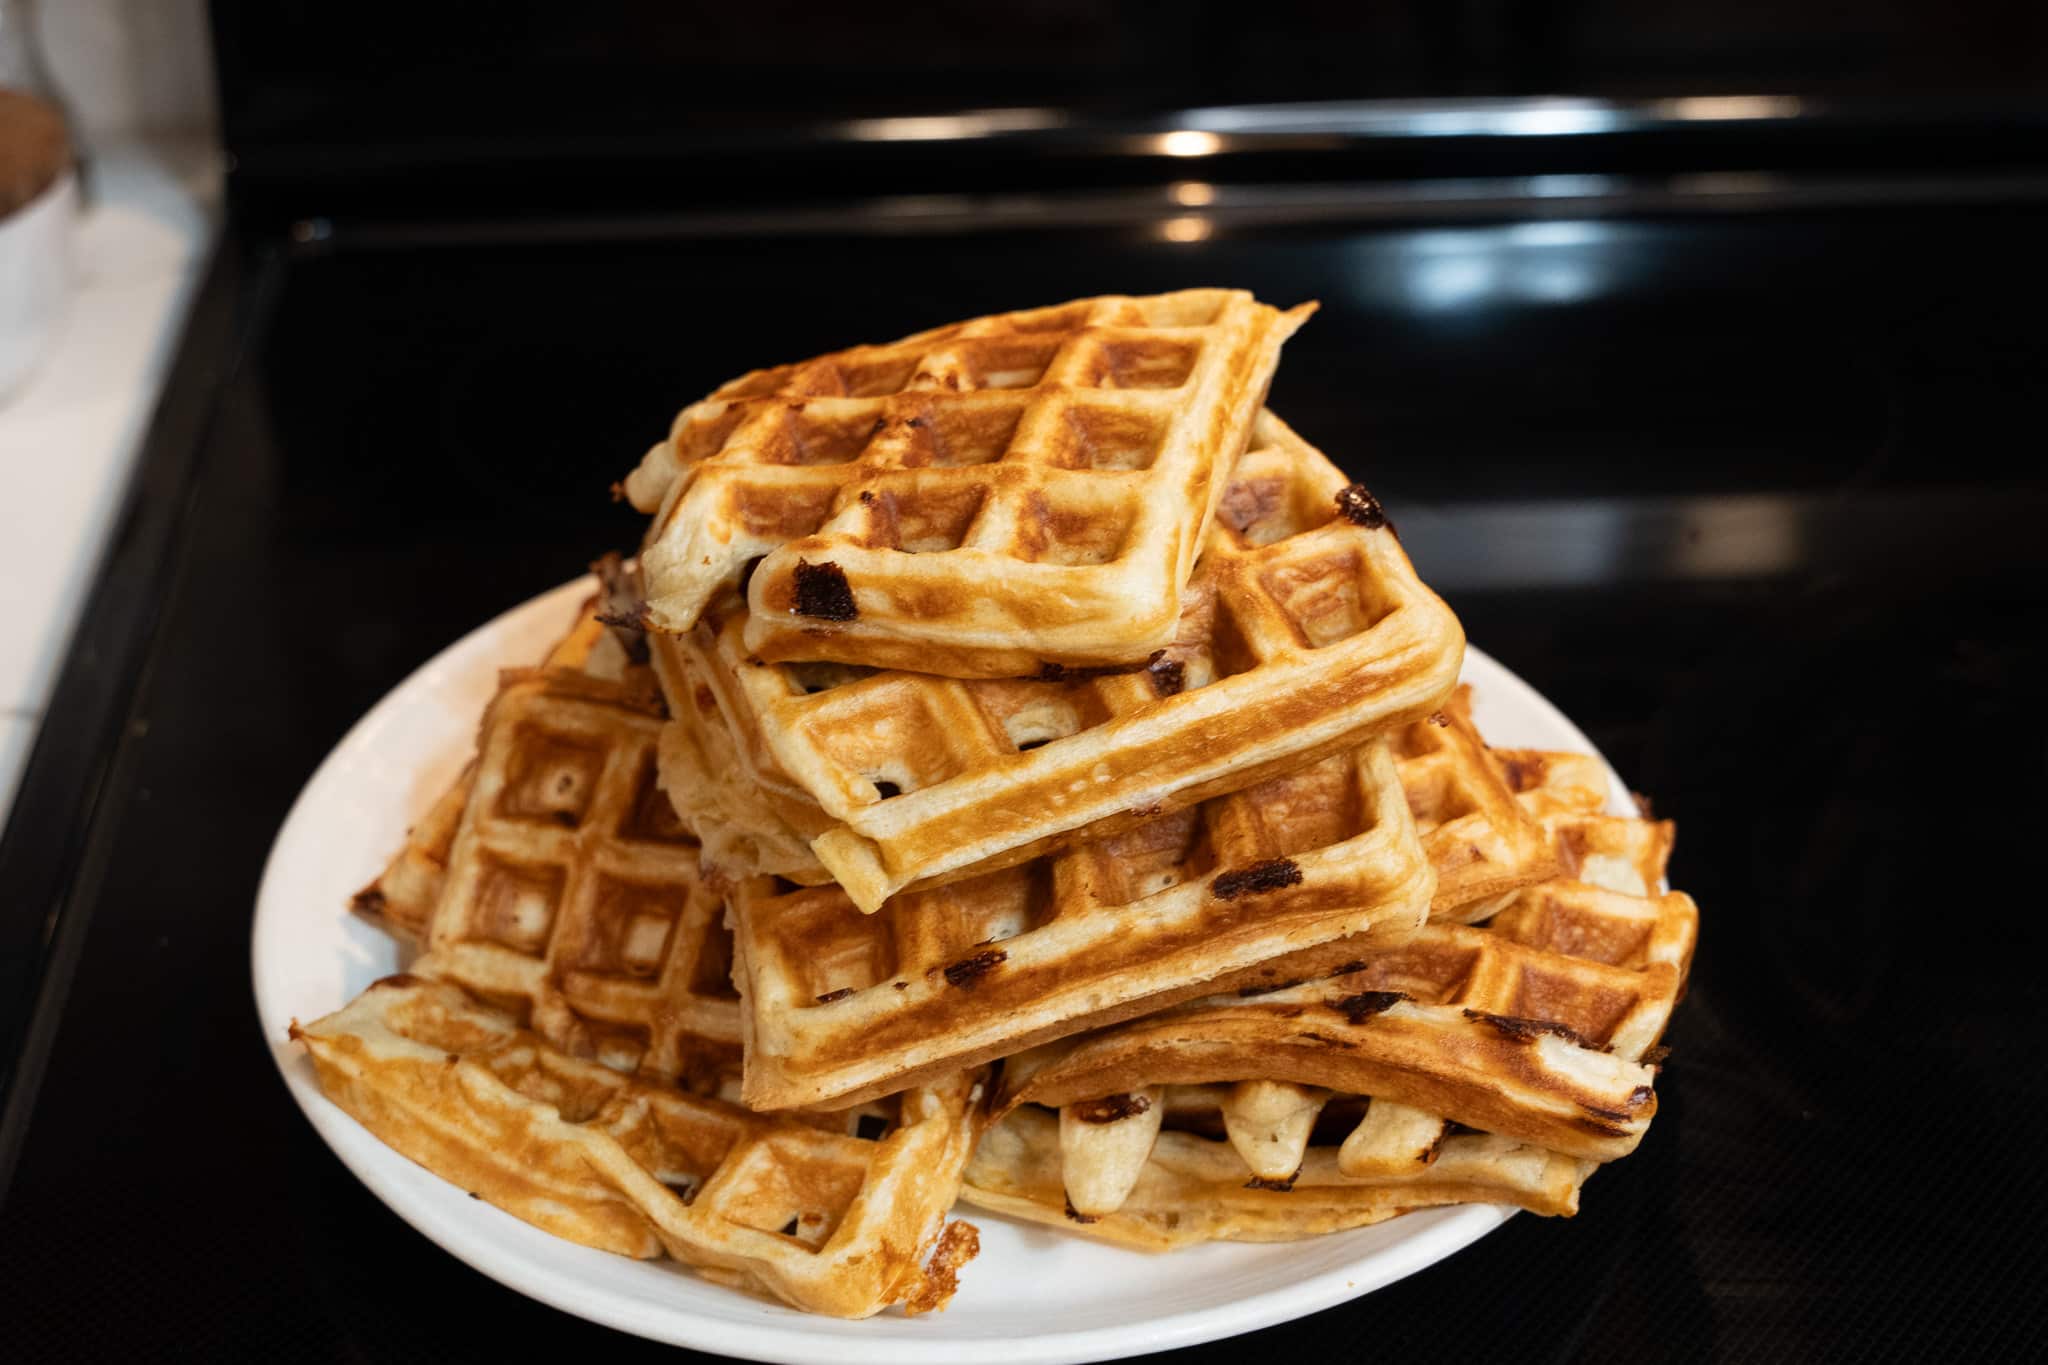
{"points": [[1756, 498]]}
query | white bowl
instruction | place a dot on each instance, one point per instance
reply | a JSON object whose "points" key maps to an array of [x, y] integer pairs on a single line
{"points": [[35, 277]]}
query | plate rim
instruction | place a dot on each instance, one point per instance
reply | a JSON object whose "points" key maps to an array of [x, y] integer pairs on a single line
{"points": [[457, 1229]]}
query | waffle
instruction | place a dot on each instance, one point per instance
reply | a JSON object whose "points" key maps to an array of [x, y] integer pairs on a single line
{"points": [[1241, 890], [832, 1222], [573, 895], [574, 953], [976, 500], [1482, 842], [1304, 632], [404, 894], [1194, 1189], [1536, 1030]]}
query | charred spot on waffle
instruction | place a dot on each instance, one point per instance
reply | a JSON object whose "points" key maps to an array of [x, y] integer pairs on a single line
{"points": [[369, 901], [829, 996], [867, 497], [1356, 964], [1259, 1182], [1656, 1055], [1521, 1030], [453, 1058], [1077, 1215], [1364, 1005], [1357, 505], [1110, 1108], [1269, 875], [823, 593], [969, 970], [1169, 676], [1439, 719], [1641, 1096], [1050, 672], [1244, 992], [1325, 1039]]}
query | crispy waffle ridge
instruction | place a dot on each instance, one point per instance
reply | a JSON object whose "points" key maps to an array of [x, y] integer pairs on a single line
{"points": [[975, 500], [1304, 632], [1536, 1030], [1245, 889], [827, 1221]]}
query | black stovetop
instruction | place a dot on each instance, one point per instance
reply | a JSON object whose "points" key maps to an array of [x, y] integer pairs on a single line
{"points": [[1737, 492]]}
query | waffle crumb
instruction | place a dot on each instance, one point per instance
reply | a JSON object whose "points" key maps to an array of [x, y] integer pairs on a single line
{"points": [[1357, 505], [957, 1245]]}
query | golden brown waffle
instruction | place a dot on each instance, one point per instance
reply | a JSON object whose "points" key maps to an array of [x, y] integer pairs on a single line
{"points": [[976, 500], [1537, 1029], [832, 1222], [406, 891], [1480, 839], [1244, 889], [573, 896], [1272, 1155], [1195, 1189], [1304, 632], [737, 824], [594, 975]]}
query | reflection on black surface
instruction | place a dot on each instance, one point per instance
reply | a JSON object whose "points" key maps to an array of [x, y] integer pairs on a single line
{"points": [[1732, 494]]}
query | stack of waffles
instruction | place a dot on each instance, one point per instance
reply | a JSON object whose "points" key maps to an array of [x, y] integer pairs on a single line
{"points": [[1018, 770]]}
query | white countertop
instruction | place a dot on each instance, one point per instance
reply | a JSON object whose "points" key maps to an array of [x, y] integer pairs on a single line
{"points": [[69, 435]]}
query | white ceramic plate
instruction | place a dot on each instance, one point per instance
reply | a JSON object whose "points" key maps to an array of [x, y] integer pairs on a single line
{"points": [[1033, 1295]]}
